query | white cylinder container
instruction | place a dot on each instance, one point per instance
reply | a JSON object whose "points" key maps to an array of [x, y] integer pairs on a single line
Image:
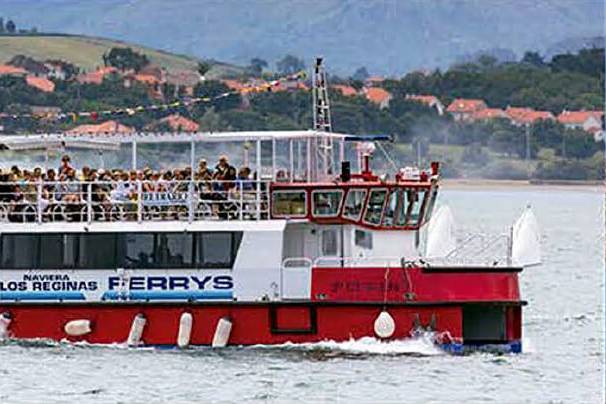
{"points": [[384, 325], [77, 328], [5, 322], [185, 326], [136, 330], [222, 332]]}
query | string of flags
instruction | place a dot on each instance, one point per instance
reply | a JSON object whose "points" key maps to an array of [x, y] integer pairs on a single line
{"points": [[96, 115]]}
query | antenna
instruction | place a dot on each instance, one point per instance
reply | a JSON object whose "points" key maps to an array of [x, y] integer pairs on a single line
{"points": [[321, 116]]}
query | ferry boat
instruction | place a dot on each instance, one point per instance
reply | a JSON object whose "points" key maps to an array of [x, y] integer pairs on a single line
{"points": [[301, 252]]}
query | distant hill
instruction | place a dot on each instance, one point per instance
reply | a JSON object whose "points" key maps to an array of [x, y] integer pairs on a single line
{"points": [[386, 36], [573, 45], [86, 52]]}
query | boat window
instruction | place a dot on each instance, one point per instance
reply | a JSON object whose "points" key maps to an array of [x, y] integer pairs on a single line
{"points": [[402, 208], [391, 208], [330, 244], [97, 251], [175, 250], [136, 250], [58, 251], [326, 203], [354, 204], [289, 203], [375, 206], [415, 199], [363, 239], [217, 250], [19, 251]]}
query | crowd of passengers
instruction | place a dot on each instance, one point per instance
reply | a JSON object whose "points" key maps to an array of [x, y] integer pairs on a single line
{"points": [[69, 186]]}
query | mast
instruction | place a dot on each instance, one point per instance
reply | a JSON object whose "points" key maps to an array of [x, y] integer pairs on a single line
{"points": [[323, 155]]}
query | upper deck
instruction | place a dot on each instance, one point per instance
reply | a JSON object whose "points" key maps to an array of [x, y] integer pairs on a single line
{"points": [[289, 187]]}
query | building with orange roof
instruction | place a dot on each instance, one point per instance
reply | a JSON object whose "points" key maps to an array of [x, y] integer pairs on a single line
{"points": [[487, 114], [526, 116], [374, 81], [12, 70], [97, 76], [589, 121], [347, 91], [100, 129], [177, 123], [463, 109], [430, 100], [41, 83], [234, 84], [378, 95]]}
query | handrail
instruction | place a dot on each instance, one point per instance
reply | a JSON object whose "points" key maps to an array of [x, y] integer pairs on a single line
{"points": [[133, 200]]}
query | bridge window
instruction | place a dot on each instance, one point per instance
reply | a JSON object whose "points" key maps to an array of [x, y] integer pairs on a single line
{"points": [[58, 251], [175, 250], [415, 200], [326, 203], [391, 207], [330, 243], [375, 206], [289, 203], [354, 204]]}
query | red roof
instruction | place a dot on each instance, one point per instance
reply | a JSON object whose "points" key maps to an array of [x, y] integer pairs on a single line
{"points": [[8, 69], [348, 91], [105, 127], [466, 105], [488, 113], [180, 123], [377, 95], [527, 115], [579, 117], [234, 84], [40, 83], [146, 78], [97, 76]]}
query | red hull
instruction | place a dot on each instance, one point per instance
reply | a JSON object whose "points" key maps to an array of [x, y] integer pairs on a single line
{"points": [[255, 323]]}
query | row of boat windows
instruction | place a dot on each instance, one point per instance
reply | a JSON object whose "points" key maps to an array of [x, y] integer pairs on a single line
{"points": [[119, 250], [395, 207]]}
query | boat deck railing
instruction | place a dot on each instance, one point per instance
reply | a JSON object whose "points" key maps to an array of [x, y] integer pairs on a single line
{"points": [[133, 200]]}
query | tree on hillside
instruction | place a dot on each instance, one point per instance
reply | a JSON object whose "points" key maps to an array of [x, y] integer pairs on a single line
{"points": [[214, 89], [203, 68], [290, 64], [125, 59], [360, 74], [11, 28], [256, 66], [533, 59]]}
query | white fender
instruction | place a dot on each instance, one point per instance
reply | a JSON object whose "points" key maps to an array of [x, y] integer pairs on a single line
{"points": [[385, 325], [222, 332], [441, 239], [526, 240], [185, 325], [76, 328], [136, 330], [5, 323]]}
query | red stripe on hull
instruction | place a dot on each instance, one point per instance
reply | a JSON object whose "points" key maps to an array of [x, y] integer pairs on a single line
{"points": [[252, 323]]}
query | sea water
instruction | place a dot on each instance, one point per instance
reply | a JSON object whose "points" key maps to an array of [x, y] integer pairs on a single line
{"points": [[563, 359]]}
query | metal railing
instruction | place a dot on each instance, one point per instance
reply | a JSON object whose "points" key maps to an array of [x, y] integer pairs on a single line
{"points": [[478, 250], [133, 200]]}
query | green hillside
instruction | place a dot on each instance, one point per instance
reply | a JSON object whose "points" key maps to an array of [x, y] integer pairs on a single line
{"points": [[86, 52]]}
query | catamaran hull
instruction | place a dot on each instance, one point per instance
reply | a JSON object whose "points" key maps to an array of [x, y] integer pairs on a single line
{"points": [[453, 323]]}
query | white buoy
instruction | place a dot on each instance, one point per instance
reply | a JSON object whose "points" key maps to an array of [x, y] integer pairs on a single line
{"points": [[222, 332], [385, 325], [136, 330], [185, 325], [76, 328], [5, 322]]}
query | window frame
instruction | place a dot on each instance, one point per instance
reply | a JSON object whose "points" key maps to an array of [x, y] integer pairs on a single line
{"points": [[364, 198], [382, 210], [319, 191]]}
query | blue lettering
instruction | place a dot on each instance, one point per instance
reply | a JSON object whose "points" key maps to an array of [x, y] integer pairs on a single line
{"points": [[223, 282], [156, 282], [178, 282], [137, 283], [201, 282]]}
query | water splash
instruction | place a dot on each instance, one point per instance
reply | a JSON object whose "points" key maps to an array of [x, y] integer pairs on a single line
{"points": [[419, 345]]}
